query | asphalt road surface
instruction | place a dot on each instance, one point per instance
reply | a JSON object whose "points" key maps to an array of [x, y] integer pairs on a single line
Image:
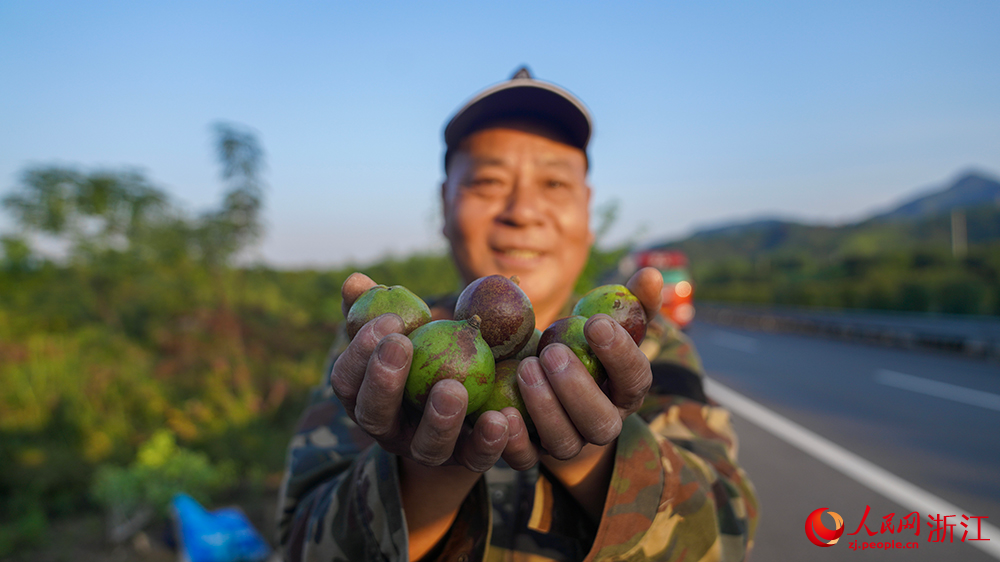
{"points": [[846, 426]]}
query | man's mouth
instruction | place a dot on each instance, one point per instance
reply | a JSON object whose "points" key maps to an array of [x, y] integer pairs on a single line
{"points": [[517, 260], [518, 254]]}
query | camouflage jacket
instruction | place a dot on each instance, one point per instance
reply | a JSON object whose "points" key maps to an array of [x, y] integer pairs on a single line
{"points": [[676, 491]]}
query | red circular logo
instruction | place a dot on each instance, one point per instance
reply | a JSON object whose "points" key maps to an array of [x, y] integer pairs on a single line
{"points": [[817, 531]]}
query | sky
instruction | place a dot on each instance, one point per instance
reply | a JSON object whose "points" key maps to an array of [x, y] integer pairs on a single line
{"points": [[704, 112]]}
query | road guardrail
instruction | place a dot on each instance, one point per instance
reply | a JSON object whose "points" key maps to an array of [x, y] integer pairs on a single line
{"points": [[971, 335]]}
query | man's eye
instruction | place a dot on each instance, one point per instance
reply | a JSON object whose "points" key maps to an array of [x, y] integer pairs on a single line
{"points": [[555, 183], [484, 182]]}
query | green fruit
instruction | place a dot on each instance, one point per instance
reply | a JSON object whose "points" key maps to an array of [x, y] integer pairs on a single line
{"points": [[569, 332], [530, 349], [620, 304], [381, 300], [508, 319], [506, 392], [450, 349]]}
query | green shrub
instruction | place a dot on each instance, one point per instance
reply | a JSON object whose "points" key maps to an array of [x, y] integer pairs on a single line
{"points": [[160, 470], [913, 297], [961, 296]]}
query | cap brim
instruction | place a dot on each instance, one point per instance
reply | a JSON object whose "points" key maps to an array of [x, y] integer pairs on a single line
{"points": [[523, 99]]}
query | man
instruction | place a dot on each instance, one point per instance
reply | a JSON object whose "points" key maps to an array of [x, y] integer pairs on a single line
{"points": [[641, 468]]}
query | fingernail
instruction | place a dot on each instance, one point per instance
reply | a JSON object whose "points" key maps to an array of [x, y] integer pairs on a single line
{"points": [[445, 404], [493, 432], [513, 424], [530, 373], [392, 354], [555, 358], [387, 324], [601, 332]]}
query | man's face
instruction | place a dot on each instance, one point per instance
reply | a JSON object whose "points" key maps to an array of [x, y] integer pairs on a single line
{"points": [[517, 203]]}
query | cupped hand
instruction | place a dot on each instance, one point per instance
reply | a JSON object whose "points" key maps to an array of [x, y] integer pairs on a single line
{"points": [[369, 379], [568, 408]]}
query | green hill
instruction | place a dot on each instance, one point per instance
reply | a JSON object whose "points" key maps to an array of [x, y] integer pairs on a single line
{"points": [[902, 259]]}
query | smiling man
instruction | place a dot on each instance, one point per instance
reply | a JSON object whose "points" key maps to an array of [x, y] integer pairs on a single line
{"points": [[516, 202], [639, 468]]}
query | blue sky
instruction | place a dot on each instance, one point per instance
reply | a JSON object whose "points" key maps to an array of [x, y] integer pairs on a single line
{"points": [[704, 112]]}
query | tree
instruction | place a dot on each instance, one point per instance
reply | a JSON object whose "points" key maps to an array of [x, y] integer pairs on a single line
{"points": [[237, 223], [91, 212], [120, 210]]}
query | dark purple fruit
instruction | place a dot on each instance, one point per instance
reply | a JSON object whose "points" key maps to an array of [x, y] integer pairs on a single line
{"points": [[381, 300], [620, 304], [508, 319], [569, 332], [450, 349]]}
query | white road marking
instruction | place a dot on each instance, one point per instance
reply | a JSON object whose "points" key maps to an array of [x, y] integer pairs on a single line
{"points": [[859, 469], [734, 341], [938, 389]]}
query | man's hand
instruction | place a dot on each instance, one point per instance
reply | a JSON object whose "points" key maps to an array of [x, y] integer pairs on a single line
{"points": [[567, 406], [369, 378]]}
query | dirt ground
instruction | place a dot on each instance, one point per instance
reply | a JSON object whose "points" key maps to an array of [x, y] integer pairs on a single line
{"points": [[82, 538]]}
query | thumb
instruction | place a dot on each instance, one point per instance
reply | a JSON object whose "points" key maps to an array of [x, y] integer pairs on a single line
{"points": [[352, 288], [647, 286]]}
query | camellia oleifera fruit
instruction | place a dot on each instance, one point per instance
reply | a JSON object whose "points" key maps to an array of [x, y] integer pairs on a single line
{"points": [[620, 304], [507, 317], [569, 332], [381, 300], [450, 349], [506, 392]]}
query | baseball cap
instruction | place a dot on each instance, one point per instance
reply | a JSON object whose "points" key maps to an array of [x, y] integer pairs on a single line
{"points": [[521, 97]]}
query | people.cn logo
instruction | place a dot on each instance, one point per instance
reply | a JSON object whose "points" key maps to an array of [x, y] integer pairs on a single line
{"points": [[817, 532]]}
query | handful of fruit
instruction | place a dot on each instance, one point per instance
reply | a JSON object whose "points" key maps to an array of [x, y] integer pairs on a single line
{"points": [[492, 331]]}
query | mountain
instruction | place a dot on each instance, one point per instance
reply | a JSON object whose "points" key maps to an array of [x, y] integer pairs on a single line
{"points": [[734, 228], [915, 257], [922, 221], [969, 190]]}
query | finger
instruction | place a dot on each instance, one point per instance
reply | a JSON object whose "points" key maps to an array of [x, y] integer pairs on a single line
{"points": [[556, 431], [352, 288], [480, 449], [349, 370], [592, 413], [520, 453], [439, 428], [629, 374], [379, 400], [647, 285]]}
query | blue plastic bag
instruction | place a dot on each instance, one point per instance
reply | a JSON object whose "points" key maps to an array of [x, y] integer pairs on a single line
{"points": [[223, 535]]}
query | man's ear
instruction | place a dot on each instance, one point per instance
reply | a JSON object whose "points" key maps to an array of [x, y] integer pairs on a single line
{"points": [[444, 207], [590, 227]]}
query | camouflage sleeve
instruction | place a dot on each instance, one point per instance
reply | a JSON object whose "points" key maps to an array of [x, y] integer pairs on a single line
{"points": [[332, 480], [334, 475], [677, 369], [699, 505]]}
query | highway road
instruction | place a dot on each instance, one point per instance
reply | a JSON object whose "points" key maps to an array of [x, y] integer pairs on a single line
{"points": [[845, 426]]}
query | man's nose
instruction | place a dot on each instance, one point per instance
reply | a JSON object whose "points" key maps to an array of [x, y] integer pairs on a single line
{"points": [[523, 206]]}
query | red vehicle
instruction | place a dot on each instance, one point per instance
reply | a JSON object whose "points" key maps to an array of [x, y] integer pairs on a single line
{"points": [[677, 288]]}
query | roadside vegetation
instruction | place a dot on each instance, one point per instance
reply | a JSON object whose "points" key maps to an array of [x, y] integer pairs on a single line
{"points": [[144, 362], [910, 281]]}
